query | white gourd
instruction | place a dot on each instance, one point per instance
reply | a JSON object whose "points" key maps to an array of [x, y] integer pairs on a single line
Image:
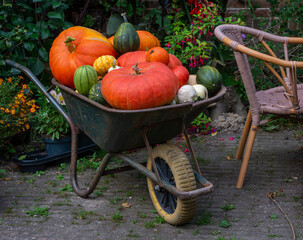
{"points": [[114, 67], [201, 91], [187, 94]]}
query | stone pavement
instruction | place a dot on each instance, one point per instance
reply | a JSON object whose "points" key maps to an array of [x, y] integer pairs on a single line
{"points": [[227, 213]]}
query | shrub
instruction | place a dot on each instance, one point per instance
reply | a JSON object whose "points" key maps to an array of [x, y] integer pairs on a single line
{"points": [[17, 108]]}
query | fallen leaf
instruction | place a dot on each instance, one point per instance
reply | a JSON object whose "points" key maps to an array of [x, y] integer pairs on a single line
{"points": [[126, 205], [228, 157], [213, 134]]}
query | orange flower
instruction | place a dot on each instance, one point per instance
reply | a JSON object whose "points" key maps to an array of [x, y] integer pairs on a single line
{"points": [[9, 79], [1, 81], [27, 126], [33, 110], [21, 77], [13, 111], [6, 110], [24, 86]]}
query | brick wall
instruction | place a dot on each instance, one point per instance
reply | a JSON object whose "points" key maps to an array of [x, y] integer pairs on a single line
{"points": [[263, 10]]}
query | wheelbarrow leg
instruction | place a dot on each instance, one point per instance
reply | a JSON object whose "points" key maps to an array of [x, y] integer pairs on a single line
{"points": [[74, 156]]}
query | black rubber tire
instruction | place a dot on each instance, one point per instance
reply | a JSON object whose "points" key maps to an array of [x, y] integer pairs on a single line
{"points": [[179, 172]]}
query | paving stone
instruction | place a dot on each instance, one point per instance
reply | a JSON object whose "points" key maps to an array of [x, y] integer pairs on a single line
{"points": [[276, 166]]}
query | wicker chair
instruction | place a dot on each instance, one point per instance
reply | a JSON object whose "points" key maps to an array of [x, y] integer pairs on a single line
{"points": [[285, 100]]}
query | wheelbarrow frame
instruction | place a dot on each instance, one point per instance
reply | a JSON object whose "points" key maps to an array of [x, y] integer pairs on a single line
{"points": [[171, 118]]}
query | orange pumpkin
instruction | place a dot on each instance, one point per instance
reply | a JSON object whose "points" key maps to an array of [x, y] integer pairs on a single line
{"points": [[131, 58], [182, 74], [74, 47], [173, 61], [111, 39], [157, 54], [145, 85], [147, 40]]}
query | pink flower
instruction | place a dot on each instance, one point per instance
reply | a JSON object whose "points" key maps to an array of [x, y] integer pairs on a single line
{"points": [[231, 138]]}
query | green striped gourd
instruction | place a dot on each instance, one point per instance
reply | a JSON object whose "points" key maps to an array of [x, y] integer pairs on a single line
{"points": [[210, 78], [96, 95], [84, 78], [126, 39]]}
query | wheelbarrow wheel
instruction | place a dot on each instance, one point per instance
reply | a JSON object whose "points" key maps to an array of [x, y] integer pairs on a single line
{"points": [[174, 167]]}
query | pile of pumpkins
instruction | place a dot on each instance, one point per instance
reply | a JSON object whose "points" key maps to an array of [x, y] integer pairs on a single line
{"points": [[128, 71]]}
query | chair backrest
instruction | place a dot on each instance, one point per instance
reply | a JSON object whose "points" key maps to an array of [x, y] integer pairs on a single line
{"points": [[233, 35]]}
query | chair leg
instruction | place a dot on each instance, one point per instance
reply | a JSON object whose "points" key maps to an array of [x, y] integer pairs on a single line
{"points": [[244, 136], [247, 153]]}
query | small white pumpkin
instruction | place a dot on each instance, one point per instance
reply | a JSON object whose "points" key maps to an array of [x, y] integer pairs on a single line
{"points": [[187, 94], [114, 67], [201, 91]]}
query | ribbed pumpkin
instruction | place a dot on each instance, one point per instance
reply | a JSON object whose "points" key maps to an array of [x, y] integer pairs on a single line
{"points": [[147, 40], [145, 85], [84, 78], [74, 47], [103, 63], [131, 58], [126, 39], [96, 95], [211, 78]]}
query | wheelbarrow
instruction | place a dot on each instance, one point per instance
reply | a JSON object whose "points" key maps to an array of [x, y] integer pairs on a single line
{"points": [[173, 184]]}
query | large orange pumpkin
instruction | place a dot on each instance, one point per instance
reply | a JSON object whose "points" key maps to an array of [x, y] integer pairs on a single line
{"points": [[74, 47], [147, 40], [131, 58], [146, 85]]}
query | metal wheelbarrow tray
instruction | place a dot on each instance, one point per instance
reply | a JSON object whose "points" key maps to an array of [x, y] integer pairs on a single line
{"points": [[117, 131]]}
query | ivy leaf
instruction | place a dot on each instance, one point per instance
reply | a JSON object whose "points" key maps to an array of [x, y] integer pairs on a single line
{"points": [[45, 34], [113, 24], [29, 46], [43, 53], [56, 15], [56, 4], [37, 66]]}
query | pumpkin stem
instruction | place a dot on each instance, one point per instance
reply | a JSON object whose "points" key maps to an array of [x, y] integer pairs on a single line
{"points": [[137, 69], [69, 44], [114, 63], [124, 17]]}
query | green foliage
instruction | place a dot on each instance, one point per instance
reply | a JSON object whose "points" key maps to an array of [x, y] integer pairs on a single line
{"points": [[91, 162], [194, 43], [201, 124], [225, 223], [290, 13], [227, 207], [154, 20], [48, 121], [39, 212], [2, 173], [117, 217], [27, 30], [66, 188]]}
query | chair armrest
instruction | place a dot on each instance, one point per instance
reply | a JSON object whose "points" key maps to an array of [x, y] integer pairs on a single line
{"points": [[219, 32]]}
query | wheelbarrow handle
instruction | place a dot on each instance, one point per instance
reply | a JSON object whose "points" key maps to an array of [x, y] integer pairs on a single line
{"points": [[40, 86]]}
